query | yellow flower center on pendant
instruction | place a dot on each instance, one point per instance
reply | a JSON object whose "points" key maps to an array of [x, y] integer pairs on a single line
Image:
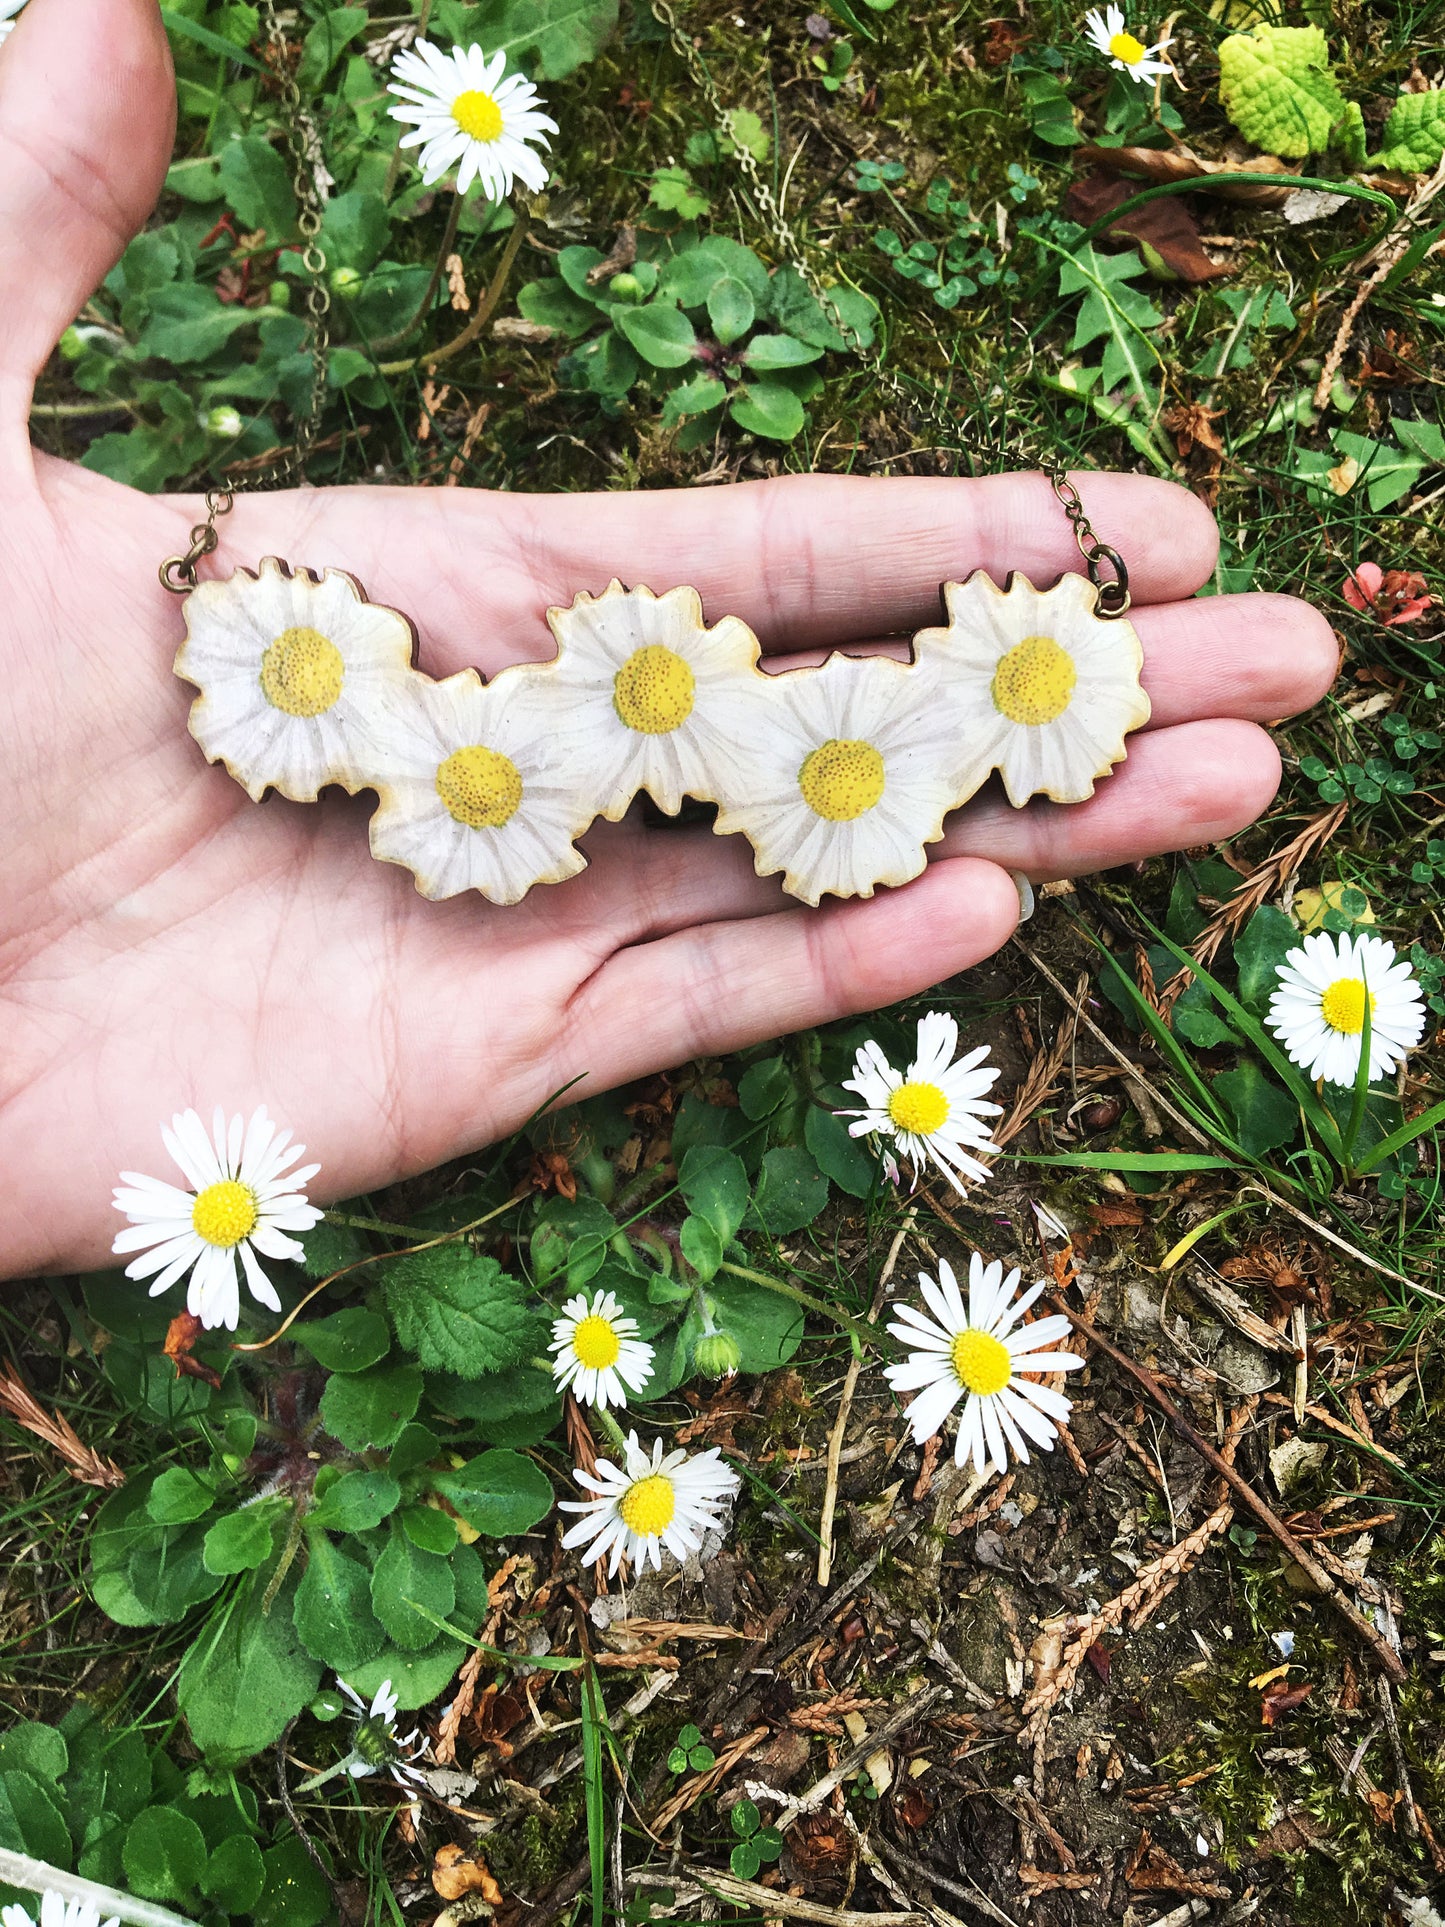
{"points": [[1343, 1005], [479, 116], [841, 780], [1035, 681], [595, 1342], [919, 1108], [479, 787], [981, 1363], [225, 1213], [1123, 46], [302, 672], [647, 1506], [653, 691]]}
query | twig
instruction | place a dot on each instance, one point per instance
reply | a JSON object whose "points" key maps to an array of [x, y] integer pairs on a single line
{"points": [[1389, 1660], [283, 1789], [909, 1714], [486, 307], [830, 1490], [771, 1901], [1397, 1748]]}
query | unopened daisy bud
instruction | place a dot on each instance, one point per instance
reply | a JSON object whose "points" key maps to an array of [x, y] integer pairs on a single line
{"points": [[625, 287], [345, 280], [224, 423], [71, 344], [716, 1354]]}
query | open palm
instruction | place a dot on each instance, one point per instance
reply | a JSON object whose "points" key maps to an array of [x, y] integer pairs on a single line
{"points": [[164, 942]]}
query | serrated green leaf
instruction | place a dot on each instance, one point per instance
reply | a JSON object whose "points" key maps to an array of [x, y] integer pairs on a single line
{"points": [[498, 1493], [188, 324], [1275, 84], [1414, 137], [559, 35], [1115, 312], [257, 187], [457, 1311], [674, 190], [332, 1609], [1259, 950], [403, 1579]]}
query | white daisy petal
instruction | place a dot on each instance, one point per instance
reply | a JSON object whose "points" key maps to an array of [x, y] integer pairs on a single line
{"points": [[656, 1503], [927, 1111], [1318, 1008], [472, 115], [599, 1355]]}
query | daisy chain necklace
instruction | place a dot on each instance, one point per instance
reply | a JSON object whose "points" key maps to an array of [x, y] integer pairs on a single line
{"points": [[838, 775]]}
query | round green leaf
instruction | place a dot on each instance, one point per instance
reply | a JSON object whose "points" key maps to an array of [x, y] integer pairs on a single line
{"points": [[235, 1874], [416, 1677], [791, 1191], [430, 1528], [663, 336], [766, 408], [239, 1542], [405, 1578], [164, 1854], [332, 1612], [730, 309], [371, 1407], [294, 1894], [745, 1819], [30, 1747], [767, 1326], [179, 1496], [356, 1502], [499, 1493], [840, 1156], [347, 1341], [745, 1860]]}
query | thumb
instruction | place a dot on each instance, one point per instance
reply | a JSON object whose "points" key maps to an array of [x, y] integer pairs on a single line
{"points": [[87, 118]]}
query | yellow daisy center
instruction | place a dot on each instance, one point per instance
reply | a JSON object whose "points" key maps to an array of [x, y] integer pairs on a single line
{"points": [[647, 1506], [479, 787], [595, 1342], [1343, 1005], [479, 116], [1123, 46], [918, 1107], [841, 780], [654, 690], [302, 672], [1035, 681], [981, 1363], [225, 1213]]}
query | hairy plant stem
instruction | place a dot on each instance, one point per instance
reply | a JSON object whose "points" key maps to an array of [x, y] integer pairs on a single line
{"points": [[600, 1416], [485, 309], [855, 1331]]}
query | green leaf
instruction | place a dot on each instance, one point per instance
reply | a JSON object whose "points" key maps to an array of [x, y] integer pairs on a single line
{"points": [[691, 274], [1387, 472], [150, 262], [246, 1677], [29, 1747], [745, 1819], [498, 1493], [355, 227], [30, 1821], [164, 1854], [1265, 1117], [235, 1874], [417, 1445], [552, 304], [429, 1527], [332, 1611], [730, 309], [404, 1578], [779, 351], [188, 324], [715, 1185], [332, 34], [768, 409], [179, 1496], [502, 1395], [1115, 312], [1419, 433], [258, 187], [1141, 1161], [1259, 950], [347, 1341], [745, 1860], [703, 1249], [239, 1542], [167, 1574], [371, 1407], [791, 1190], [663, 336], [561, 34], [197, 180], [1049, 109], [356, 1502], [416, 1677], [328, 1247], [459, 1312], [295, 1893], [1275, 84], [1414, 138], [674, 190], [696, 397], [178, 23], [845, 1159], [767, 1326], [764, 1087], [1195, 1019]]}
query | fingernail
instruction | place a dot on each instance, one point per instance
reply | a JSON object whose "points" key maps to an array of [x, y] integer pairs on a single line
{"points": [[1026, 895]]}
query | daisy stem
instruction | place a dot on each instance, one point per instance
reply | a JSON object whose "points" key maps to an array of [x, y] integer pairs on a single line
{"points": [[824, 1310], [601, 1417], [21, 1870], [423, 307], [373, 1224], [485, 308]]}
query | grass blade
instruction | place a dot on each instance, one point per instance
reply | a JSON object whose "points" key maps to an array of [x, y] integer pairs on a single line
{"points": [[593, 1721], [1397, 1140]]}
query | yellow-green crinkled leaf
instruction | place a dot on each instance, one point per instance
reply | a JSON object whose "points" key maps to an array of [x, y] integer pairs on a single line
{"points": [[1276, 86], [1414, 135]]}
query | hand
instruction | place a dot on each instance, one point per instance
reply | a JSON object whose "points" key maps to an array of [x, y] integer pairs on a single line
{"points": [[165, 942]]}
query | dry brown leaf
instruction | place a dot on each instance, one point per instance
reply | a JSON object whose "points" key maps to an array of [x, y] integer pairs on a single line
{"points": [[1158, 166], [1280, 1699], [1165, 229], [181, 1334], [456, 1871]]}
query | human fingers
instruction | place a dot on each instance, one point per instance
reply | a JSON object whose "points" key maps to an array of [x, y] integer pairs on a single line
{"points": [[1194, 783], [1254, 657], [87, 117], [721, 985]]}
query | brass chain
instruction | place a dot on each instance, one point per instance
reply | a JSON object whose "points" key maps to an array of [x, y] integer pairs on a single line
{"points": [[1113, 589], [178, 572]]}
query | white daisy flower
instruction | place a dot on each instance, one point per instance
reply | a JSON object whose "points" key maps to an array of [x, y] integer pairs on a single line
{"points": [[8, 11], [467, 112], [375, 1743], [598, 1351], [1318, 1010], [475, 795], [293, 670], [975, 1354], [934, 1108], [649, 698], [1035, 685], [245, 1195], [656, 1502], [1121, 49], [842, 774], [55, 1909]]}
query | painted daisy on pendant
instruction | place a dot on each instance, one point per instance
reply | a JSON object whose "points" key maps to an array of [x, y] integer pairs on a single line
{"points": [[294, 671], [1318, 1009], [599, 1355], [934, 1109], [1123, 49], [8, 11], [656, 1502], [55, 1909], [973, 1352], [245, 1196], [467, 112], [1035, 685]]}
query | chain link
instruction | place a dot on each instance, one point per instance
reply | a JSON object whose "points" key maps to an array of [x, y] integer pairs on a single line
{"points": [[1113, 588], [178, 572]]}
